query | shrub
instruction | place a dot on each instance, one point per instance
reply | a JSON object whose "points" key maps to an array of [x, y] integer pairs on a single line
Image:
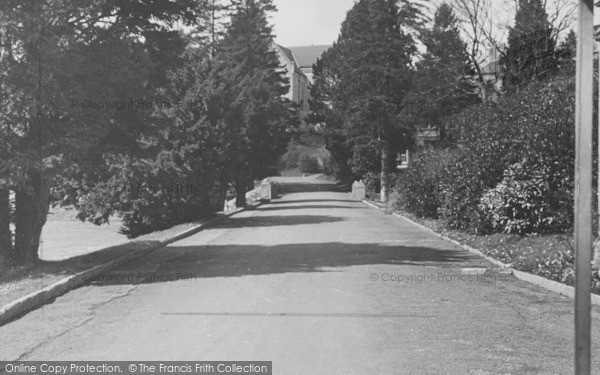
{"points": [[536, 124], [308, 159], [160, 201], [309, 163], [462, 182], [291, 157], [372, 182], [418, 189], [149, 195], [531, 198]]}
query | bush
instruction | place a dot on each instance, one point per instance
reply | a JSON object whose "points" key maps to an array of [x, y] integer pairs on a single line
{"points": [[160, 201], [372, 182], [308, 159], [462, 182], [417, 190], [530, 199], [309, 163], [536, 124], [149, 195]]}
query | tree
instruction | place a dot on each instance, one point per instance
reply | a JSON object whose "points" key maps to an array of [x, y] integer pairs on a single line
{"points": [[244, 97], [211, 25], [364, 80], [566, 52], [484, 29], [531, 46], [69, 70], [326, 111], [442, 77], [172, 180]]}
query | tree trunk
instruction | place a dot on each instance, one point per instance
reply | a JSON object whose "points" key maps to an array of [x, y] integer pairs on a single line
{"points": [[31, 211], [385, 181], [240, 191], [5, 234]]}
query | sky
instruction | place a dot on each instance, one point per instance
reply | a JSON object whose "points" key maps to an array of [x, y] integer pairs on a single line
{"points": [[308, 22], [316, 22]]}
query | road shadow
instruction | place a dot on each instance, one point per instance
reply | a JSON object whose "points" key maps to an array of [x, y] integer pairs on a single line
{"points": [[292, 201], [304, 207], [193, 262], [275, 221], [310, 185], [16, 273]]}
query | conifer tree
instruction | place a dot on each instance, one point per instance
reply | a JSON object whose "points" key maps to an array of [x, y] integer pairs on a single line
{"points": [[567, 50], [530, 53], [245, 97], [60, 62], [441, 79], [211, 25], [371, 67]]}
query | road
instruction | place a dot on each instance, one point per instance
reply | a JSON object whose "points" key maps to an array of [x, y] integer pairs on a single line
{"points": [[319, 284]]}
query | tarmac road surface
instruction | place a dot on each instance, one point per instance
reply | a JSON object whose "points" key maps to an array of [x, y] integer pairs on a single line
{"points": [[319, 284]]}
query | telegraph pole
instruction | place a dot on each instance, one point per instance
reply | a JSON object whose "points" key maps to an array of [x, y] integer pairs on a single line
{"points": [[583, 187]]}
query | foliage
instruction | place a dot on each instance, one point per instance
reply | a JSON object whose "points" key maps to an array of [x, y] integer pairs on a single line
{"points": [[533, 128], [441, 83], [61, 61], [531, 198], [230, 131], [418, 189], [244, 100], [109, 108], [476, 166], [309, 163], [309, 159], [530, 52], [361, 82], [149, 194], [567, 50], [372, 182], [159, 184]]}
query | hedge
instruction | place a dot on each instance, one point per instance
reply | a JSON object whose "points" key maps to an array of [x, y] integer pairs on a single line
{"points": [[512, 170]]}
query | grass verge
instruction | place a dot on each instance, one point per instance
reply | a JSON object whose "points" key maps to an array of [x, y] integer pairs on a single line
{"points": [[548, 256], [19, 281]]}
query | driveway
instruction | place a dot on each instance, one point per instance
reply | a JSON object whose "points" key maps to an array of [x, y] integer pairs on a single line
{"points": [[319, 284]]}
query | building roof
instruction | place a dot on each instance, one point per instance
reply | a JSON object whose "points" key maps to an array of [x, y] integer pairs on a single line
{"points": [[306, 56], [288, 54]]}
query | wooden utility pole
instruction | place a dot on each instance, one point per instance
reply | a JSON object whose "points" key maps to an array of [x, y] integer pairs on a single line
{"points": [[583, 187]]}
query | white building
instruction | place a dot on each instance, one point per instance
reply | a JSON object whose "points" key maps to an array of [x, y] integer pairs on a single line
{"points": [[298, 62]]}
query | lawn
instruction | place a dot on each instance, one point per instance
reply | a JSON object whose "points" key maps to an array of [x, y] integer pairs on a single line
{"points": [[70, 246], [64, 236]]}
